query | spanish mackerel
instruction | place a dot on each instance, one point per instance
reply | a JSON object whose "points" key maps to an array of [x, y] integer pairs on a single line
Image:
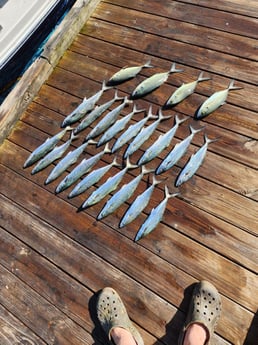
{"points": [[85, 165], [215, 101], [132, 131], [107, 187], [118, 126], [92, 178], [177, 152], [53, 155], [161, 143], [153, 82], [155, 217], [127, 73], [194, 163], [122, 195], [144, 135], [86, 105], [107, 120], [138, 205], [46, 147], [184, 91], [68, 160]]}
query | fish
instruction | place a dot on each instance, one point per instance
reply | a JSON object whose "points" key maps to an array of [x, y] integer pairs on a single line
{"points": [[68, 160], [184, 91], [161, 143], [138, 205], [155, 217], [177, 152], [193, 163], [86, 105], [144, 135], [216, 100], [45, 147], [122, 195], [85, 165], [127, 73], [53, 155], [96, 113], [153, 82], [107, 120], [118, 126], [107, 187], [92, 178], [131, 131]]}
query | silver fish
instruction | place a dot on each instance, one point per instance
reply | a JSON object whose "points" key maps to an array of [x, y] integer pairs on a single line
{"points": [[184, 91], [122, 195], [46, 147], [68, 160], [155, 217], [96, 113], [138, 205], [107, 187], [118, 126], [144, 135], [131, 131], [153, 82], [86, 105], [215, 101], [107, 120], [177, 152], [127, 73], [81, 169], [53, 155], [161, 143], [194, 163], [92, 178]]}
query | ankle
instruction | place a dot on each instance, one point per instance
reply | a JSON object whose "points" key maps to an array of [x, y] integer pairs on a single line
{"points": [[196, 334]]}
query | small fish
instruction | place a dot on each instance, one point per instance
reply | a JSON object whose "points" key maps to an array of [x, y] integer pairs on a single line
{"points": [[177, 152], [131, 131], [184, 91], [155, 217], [215, 101], [68, 160], [107, 187], [161, 143], [144, 135], [118, 126], [96, 113], [92, 178], [81, 169], [122, 195], [138, 205], [108, 120], [153, 82], [86, 105], [194, 163], [46, 147], [127, 73], [53, 155]]}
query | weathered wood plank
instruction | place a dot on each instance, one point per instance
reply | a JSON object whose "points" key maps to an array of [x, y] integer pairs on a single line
{"points": [[12, 331]]}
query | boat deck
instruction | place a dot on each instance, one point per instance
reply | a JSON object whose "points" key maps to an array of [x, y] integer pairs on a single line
{"points": [[54, 259]]}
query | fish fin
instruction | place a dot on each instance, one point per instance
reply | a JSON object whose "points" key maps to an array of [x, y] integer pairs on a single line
{"points": [[173, 68], [148, 64], [92, 142], [201, 78], [232, 87], [162, 117]]}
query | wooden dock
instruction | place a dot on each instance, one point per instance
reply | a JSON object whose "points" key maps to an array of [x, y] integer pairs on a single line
{"points": [[54, 259]]}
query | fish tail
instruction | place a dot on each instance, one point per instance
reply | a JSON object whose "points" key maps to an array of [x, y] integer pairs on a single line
{"points": [[73, 136], [69, 128], [155, 181], [169, 195], [150, 114], [208, 141], [105, 86], [129, 165], [115, 162], [148, 64], [201, 78], [178, 120], [127, 101], [232, 87], [173, 68], [195, 130], [135, 110], [107, 148], [162, 117], [116, 97], [146, 171]]}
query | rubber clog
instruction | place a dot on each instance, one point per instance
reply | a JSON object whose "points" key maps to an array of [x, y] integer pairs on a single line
{"points": [[204, 309], [112, 313]]}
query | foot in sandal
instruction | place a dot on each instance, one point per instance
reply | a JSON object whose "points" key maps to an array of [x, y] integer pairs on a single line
{"points": [[114, 319], [203, 314]]}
